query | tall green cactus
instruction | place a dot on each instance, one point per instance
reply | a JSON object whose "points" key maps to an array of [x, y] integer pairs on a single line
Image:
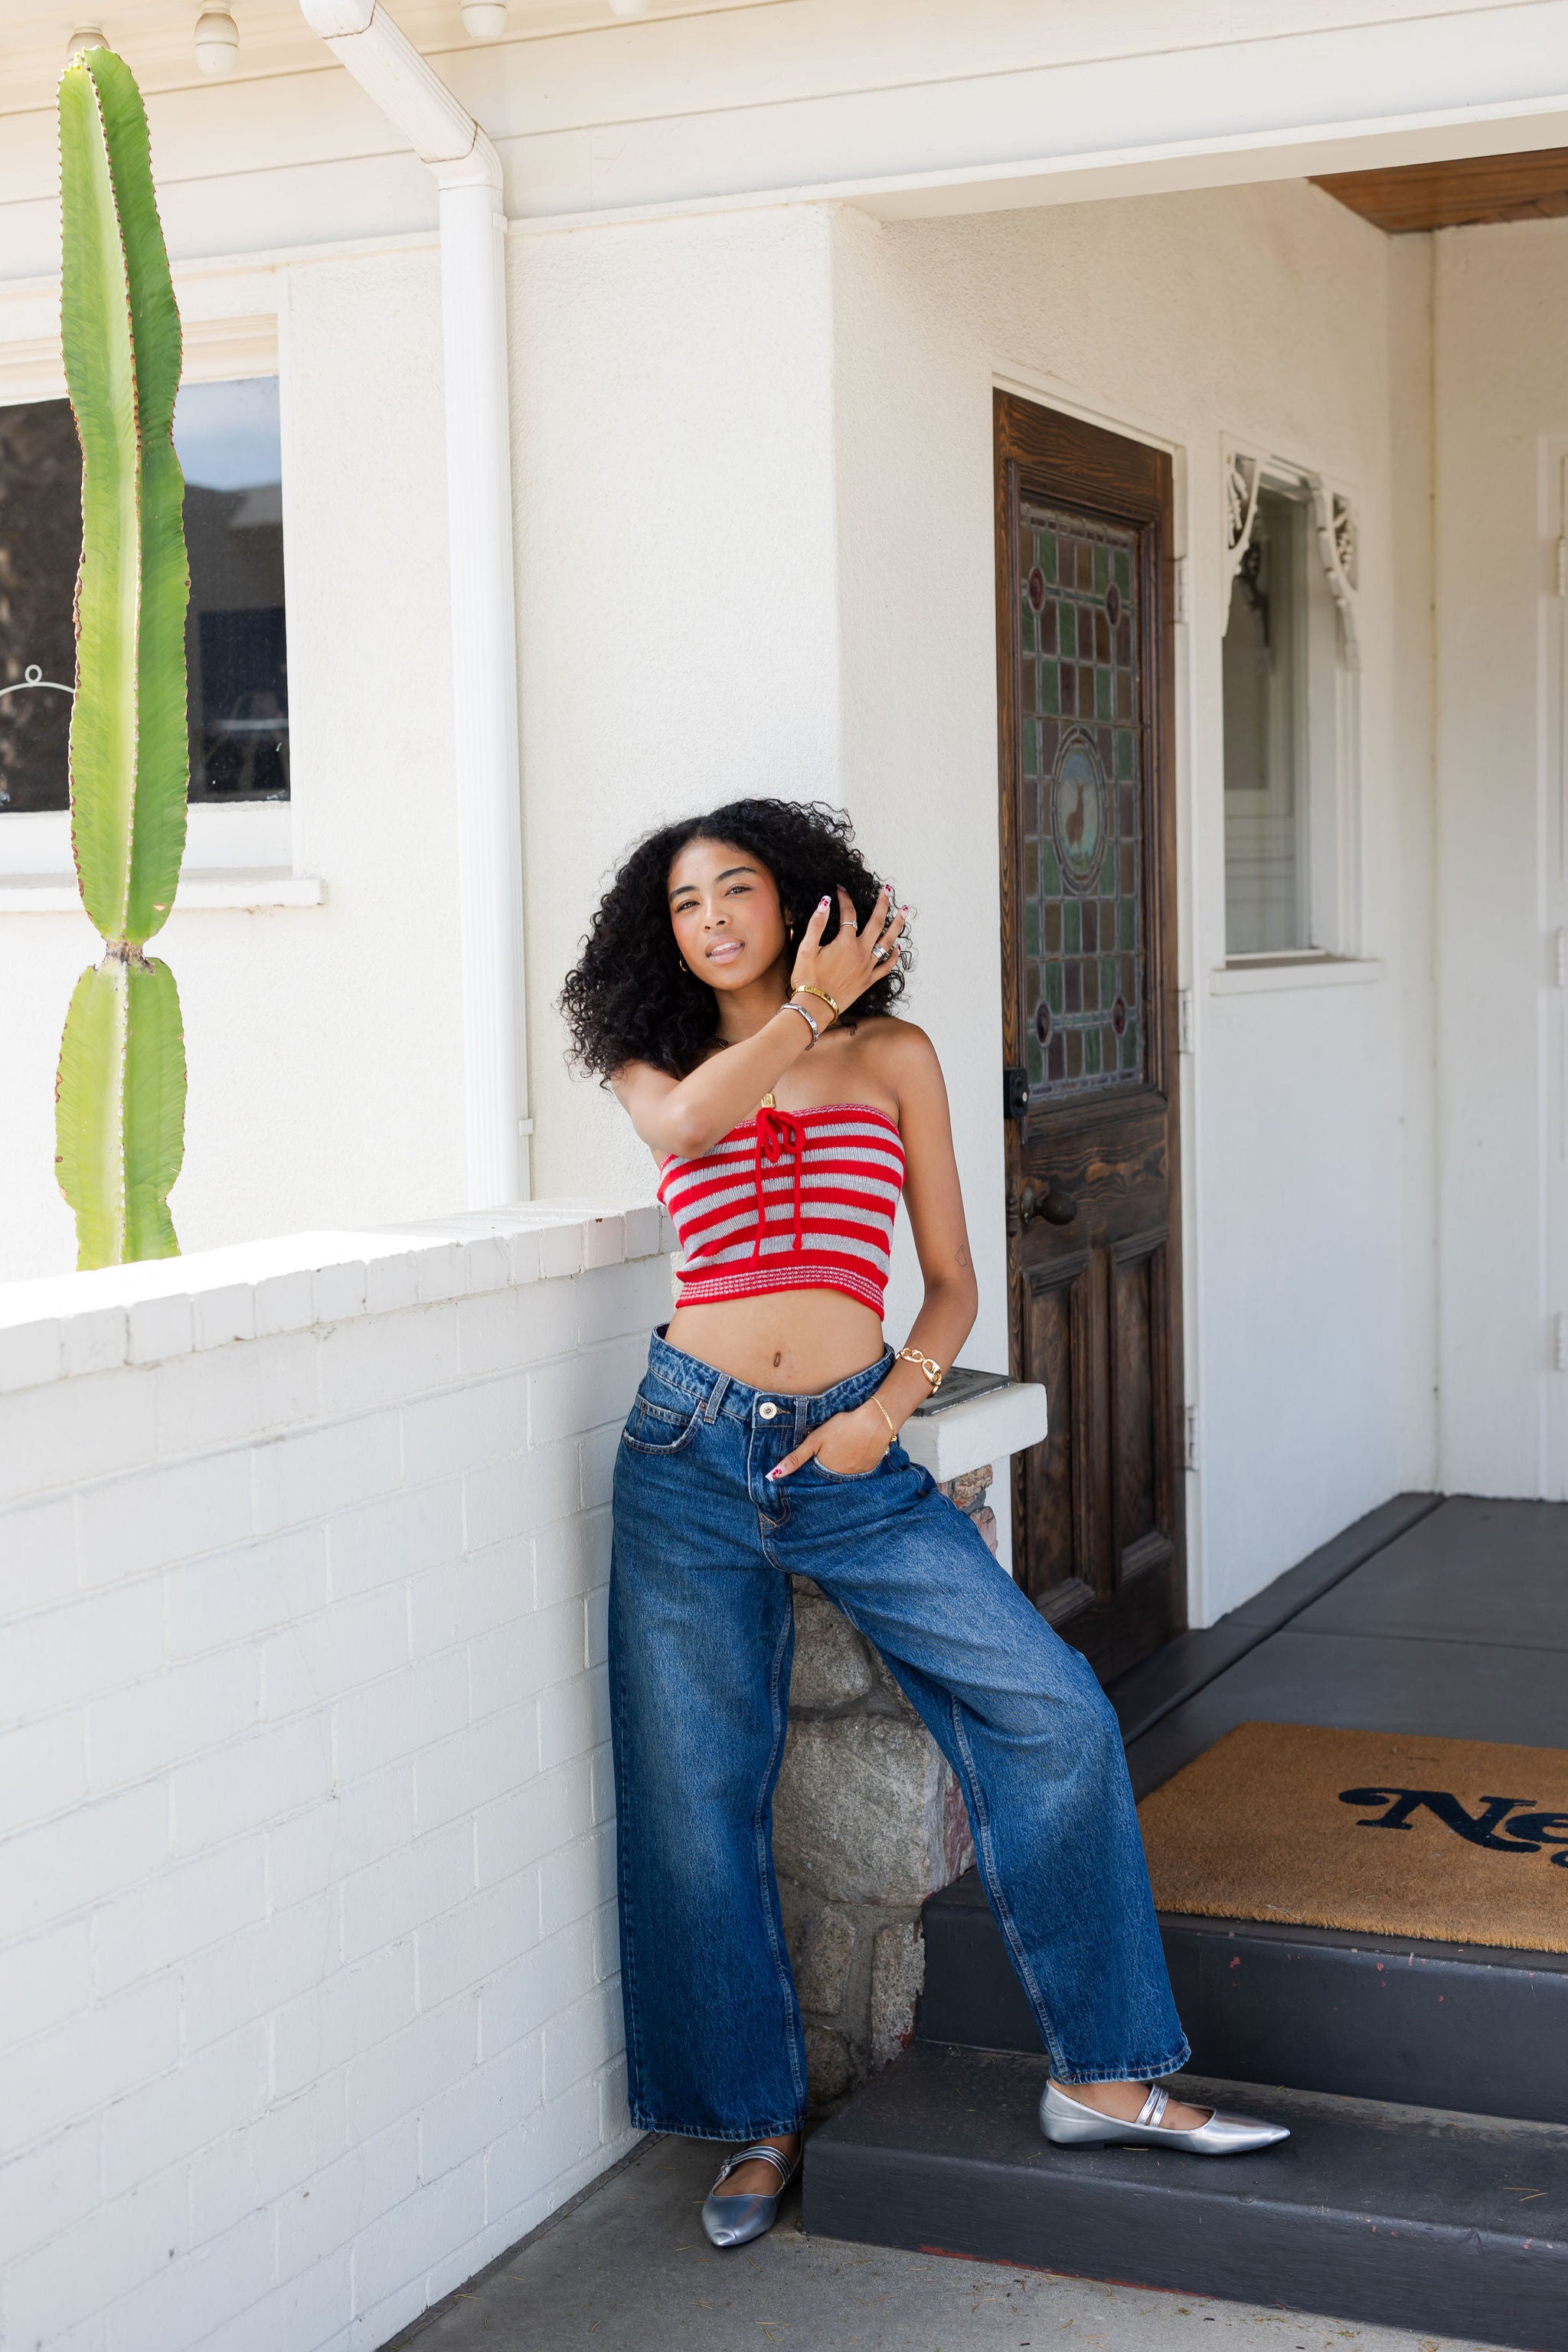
{"points": [[120, 1099]]}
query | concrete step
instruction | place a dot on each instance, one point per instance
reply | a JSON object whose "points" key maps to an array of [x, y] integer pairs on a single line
{"points": [[1445, 2223], [1481, 2030]]}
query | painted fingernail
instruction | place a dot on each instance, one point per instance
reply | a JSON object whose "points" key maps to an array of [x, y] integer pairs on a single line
{"points": [[823, 901]]}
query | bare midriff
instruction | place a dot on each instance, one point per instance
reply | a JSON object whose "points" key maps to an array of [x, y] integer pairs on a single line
{"points": [[794, 1342]]}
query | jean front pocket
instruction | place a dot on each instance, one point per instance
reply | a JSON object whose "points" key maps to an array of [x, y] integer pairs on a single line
{"points": [[891, 1459], [661, 1423]]}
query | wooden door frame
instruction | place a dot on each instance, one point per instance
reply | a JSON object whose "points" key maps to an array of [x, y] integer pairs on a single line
{"points": [[1062, 457]]}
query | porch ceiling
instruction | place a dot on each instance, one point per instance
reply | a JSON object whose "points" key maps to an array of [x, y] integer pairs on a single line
{"points": [[909, 108], [155, 37], [1459, 195]]}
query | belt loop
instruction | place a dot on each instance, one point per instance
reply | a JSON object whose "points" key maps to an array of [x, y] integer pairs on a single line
{"points": [[720, 1389], [802, 1405]]}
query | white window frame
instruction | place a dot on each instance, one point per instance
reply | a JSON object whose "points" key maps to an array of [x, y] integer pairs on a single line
{"points": [[238, 856], [1331, 812]]}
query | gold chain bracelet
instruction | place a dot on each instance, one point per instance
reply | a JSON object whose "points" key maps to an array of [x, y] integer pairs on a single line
{"points": [[928, 1365]]}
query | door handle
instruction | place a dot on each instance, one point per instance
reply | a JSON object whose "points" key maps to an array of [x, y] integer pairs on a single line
{"points": [[1057, 1208]]}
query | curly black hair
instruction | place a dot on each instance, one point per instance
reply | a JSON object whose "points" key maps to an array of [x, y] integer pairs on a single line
{"points": [[631, 999]]}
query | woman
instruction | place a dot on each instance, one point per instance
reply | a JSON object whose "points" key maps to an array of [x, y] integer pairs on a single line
{"points": [[737, 991]]}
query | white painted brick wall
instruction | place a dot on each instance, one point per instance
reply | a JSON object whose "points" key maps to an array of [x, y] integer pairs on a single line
{"points": [[309, 1997]]}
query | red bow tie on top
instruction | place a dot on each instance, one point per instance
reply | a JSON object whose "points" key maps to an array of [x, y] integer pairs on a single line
{"points": [[778, 1132]]}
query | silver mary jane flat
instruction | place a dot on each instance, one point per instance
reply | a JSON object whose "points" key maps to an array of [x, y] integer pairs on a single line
{"points": [[1071, 2124], [736, 2221]]}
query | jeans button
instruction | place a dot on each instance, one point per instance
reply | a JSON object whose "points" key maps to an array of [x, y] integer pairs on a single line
{"points": [[767, 1412]]}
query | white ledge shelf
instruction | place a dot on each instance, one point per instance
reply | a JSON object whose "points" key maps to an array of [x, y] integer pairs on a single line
{"points": [[987, 1428], [202, 892], [1296, 972]]}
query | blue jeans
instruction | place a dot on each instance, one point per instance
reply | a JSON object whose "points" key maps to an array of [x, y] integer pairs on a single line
{"points": [[701, 1636]]}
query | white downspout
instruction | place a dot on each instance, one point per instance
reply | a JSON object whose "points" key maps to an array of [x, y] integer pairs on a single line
{"points": [[444, 135]]}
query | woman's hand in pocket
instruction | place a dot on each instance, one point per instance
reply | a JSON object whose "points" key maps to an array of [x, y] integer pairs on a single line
{"points": [[848, 1444]]}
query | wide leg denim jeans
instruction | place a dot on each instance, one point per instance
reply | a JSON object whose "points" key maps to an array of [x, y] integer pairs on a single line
{"points": [[701, 1636]]}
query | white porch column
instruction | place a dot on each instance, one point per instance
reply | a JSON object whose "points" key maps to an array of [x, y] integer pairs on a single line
{"points": [[484, 679], [484, 636]]}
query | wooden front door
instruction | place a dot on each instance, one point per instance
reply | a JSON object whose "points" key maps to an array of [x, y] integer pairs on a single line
{"points": [[1083, 574]]}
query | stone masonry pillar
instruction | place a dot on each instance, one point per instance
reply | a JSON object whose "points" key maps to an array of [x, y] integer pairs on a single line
{"points": [[868, 1820]]}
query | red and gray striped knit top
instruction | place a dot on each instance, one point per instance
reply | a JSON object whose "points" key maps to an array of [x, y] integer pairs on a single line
{"points": [[791, 1200]]}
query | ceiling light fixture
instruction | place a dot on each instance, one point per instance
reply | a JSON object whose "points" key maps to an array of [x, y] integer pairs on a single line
{"points": [[484, 20], [628, 8], [86, 37], [218, 42]]}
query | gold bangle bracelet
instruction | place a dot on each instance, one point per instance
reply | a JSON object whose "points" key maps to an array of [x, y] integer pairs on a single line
{"points": [[928, 1365], [802, 988]]}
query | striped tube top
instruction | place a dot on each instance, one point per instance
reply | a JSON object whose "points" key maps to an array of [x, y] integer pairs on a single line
{"points": [[791, 1200]]}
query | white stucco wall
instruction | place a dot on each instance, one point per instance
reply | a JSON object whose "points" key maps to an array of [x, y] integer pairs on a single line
{"points": [[753, 531], [677, 633], [1263, 314], [1268, 312], [916, 689], [1502, 389], [754, 513], [1412, 882], [323, 1043]]}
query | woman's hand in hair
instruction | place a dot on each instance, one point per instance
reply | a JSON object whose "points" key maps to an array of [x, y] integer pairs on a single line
{"points": [[848, 965]]}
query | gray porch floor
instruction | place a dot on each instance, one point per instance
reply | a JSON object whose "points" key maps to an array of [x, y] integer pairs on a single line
{"points": [[1455, 1624], [626, 2268]]}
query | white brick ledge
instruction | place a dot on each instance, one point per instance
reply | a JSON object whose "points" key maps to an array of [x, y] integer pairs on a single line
{"points": [[307, 1814], [70, 1323]]}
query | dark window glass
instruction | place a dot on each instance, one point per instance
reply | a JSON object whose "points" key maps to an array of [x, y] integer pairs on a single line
{"points": [[1264, 705], [40, 539], [227, 435], [227, 439]]}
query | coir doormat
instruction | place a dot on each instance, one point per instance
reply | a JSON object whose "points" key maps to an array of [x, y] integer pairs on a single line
{"points": [[1455, 1841]]}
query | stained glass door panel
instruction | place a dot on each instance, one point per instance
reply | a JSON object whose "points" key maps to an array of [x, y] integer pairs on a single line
{"points": [[1081, 807], [1083, 523]]}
